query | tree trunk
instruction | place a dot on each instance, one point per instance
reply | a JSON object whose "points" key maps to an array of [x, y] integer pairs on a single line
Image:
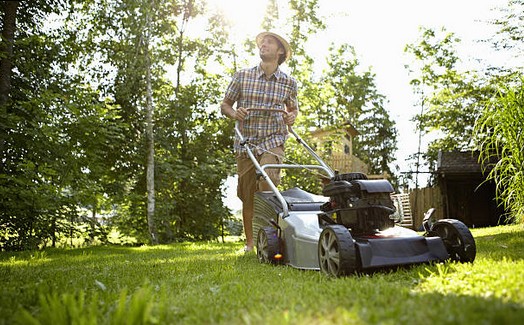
{"points": [[6, 62], [150, 175]]}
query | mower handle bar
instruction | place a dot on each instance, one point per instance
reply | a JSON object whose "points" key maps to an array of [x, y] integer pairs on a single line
{"points": [[323, 166]]}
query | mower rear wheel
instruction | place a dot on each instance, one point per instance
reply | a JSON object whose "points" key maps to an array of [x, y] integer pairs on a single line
{"points": [[457, 238], [336, 251], [268, 245]]}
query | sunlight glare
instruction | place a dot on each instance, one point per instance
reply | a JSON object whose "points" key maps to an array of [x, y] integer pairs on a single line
{"points": [[244, 16]]}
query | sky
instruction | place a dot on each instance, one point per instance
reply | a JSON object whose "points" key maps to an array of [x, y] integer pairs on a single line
{"points": [[379, 30]]}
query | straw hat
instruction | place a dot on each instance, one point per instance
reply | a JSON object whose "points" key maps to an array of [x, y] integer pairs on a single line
{"points": [[284, 43]]}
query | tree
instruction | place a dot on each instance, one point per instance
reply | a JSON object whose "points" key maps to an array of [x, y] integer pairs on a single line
{"points": [[53, 131], [9, 8], [510, 34], [196, 159], [356, 100], [78, 98], [343, 94], [80, 127], [150, 137], [182, 92], [476, 110], [451, 99]]}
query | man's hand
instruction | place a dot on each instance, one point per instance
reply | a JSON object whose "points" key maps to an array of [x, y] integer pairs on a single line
{"points": [[289, 117], [240, 114]]}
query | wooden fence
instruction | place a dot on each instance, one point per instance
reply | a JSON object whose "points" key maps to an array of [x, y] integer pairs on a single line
{"points": [[413, 205], [423, 199]]}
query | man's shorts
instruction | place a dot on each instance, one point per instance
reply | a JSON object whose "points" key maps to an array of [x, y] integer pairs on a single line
{"points": [[247, 179]]}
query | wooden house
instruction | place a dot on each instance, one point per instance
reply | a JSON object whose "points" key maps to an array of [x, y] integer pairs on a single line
{"points": [[336, 144]]}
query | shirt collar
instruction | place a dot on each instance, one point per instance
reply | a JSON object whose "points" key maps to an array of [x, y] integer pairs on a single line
{"points": [[260, 73]]}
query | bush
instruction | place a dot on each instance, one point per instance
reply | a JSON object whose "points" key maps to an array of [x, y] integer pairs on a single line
{"points": [[501, 139]]}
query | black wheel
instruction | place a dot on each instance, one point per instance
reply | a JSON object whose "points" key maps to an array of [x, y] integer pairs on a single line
{"points": [[350, 177], [457, 238], [336, 251], [268, 246]]}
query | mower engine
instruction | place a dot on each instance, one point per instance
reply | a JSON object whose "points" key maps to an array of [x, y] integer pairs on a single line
{"points": [[361, 205]]}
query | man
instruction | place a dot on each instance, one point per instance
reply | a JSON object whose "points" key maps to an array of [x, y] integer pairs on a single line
{"points": [[264, 86]]}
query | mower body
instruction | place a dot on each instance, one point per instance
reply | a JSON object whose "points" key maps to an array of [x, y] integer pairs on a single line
{"points": [[381, 244]]}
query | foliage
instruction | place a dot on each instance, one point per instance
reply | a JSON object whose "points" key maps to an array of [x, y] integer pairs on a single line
{"points": [[305, 22], [214, 283], [452, 99], [499, 131], [355, 99], [74, 128], [345, 95], [57, 136], [510, 34], [475, 110], [186, 134]]}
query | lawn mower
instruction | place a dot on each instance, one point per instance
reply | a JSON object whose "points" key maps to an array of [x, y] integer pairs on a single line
{"points": [[350, 228]]}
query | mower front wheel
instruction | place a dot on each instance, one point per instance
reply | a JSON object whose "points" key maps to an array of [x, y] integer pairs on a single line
{"points": [[336, 251], [268, 246], [457, 238]]}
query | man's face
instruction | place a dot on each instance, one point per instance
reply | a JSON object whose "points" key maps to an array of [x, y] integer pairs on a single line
{"points": [[270, 50]]}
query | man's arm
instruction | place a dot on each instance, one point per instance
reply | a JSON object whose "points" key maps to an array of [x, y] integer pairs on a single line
{"points": [[291, 104]]}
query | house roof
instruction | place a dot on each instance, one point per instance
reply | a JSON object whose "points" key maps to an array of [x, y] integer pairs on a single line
{"points": [[346, 126], [350, 129], [459, 162]]}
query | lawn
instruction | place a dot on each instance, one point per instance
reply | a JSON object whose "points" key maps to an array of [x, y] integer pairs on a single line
{"points": [[215, 283]]}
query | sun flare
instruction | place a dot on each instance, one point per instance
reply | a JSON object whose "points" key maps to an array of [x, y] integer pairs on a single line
{"points": [[244, 16]]}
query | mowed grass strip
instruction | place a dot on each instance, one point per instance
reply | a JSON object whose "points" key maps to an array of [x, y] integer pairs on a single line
{"points": [[215, 283]]}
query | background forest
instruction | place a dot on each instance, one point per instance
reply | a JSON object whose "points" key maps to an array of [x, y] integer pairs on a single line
{"points": [[110, 113]]}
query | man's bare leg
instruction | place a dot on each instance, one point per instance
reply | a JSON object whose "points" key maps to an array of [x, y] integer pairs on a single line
{"points": [[247, 216]]}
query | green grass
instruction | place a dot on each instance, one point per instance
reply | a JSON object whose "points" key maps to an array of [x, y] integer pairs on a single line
{"points": [[213, 283]]}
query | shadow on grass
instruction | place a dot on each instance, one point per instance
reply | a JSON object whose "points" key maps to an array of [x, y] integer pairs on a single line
{"points": [[410, 308], [396, 296]]}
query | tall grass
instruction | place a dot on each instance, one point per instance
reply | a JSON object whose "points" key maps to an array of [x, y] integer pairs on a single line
{"points": [[501, 139], [214, 283]]}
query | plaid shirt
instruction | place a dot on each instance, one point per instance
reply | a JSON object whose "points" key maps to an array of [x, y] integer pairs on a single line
{"points": [[250, 89]]}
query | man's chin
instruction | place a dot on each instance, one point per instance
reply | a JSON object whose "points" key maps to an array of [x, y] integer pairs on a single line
{"points": [[266, 58]]}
